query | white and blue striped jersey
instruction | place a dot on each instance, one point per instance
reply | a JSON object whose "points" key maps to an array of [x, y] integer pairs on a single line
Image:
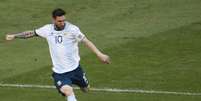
{"points": [[63, 46]]}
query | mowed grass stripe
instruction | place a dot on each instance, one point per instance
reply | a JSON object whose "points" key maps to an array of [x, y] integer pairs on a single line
{"points": [[113, 90], [163, 61]]}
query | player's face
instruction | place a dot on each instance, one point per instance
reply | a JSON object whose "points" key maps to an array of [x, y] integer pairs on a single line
{"points": [[59, 21]]}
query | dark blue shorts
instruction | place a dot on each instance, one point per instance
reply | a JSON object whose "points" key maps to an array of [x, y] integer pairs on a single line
{"points": [[77, 77]]}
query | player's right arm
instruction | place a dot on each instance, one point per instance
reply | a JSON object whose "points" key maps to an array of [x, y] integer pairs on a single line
{"points": [[24, 35]]}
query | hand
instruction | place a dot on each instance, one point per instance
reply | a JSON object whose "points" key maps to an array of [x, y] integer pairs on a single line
{"points": [[104, 58], [10, 37]]}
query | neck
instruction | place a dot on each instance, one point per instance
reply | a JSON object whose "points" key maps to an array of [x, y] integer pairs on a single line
{"points": [[59, 28]]}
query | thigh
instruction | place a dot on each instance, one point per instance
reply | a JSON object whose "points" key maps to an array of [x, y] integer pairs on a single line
{"points": [[61, 80], [79, 78]]}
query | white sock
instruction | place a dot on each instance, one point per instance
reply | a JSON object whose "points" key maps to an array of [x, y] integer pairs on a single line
{"points": [[71, 98]]}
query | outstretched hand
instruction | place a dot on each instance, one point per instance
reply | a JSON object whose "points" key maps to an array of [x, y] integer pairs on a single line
{"points": [[104, 58], [9, 37]]}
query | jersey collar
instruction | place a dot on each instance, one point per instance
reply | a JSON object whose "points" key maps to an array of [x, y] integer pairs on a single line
{"points": [[59, 29]]}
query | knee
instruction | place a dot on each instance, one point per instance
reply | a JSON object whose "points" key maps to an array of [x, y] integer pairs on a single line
{"points": [[67, 90]]}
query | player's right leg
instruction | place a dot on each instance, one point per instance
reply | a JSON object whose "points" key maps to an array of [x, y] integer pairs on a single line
{"points": [[63, 84], [68, 92]]}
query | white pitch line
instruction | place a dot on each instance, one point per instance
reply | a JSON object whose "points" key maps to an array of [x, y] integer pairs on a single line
{"points": [[114, 90]]}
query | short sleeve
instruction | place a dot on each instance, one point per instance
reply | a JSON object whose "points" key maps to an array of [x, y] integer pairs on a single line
{"points": [[43, 31], [79, 36]]}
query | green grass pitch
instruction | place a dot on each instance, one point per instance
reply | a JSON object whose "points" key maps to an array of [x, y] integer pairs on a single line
{"points": [[153, 44]]}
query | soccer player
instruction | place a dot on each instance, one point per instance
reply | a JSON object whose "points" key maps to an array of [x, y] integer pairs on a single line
{"points": [[63, 38]]}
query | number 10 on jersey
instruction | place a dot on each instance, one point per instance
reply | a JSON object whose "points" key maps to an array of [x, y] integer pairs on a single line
{"points": [[58, 39]]}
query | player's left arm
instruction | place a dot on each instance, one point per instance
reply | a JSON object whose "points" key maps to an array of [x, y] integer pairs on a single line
{"points": [[102, 57]]}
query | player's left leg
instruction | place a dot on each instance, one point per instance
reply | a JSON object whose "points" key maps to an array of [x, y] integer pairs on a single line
{"points": [[85, 89], [81, 80]]}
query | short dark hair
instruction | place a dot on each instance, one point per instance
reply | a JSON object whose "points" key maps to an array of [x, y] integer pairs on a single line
{"points": [[58, 12]]}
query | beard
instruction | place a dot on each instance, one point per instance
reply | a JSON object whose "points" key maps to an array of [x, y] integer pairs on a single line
{"points": [[59, 28]]}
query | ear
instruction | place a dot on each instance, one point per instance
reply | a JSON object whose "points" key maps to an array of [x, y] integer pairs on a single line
{"points": [[54, 18], [53, 21]]}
